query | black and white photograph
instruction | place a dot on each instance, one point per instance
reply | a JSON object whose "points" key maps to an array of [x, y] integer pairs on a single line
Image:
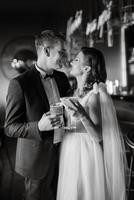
{"points": [[67, 100]]}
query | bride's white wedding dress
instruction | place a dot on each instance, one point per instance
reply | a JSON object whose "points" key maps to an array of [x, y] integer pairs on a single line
{"points": [[89, 170]]}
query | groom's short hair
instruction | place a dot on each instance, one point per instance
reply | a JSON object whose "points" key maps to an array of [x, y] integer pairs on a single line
{"points": [[48, 37]]}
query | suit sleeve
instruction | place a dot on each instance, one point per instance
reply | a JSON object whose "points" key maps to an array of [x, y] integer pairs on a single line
{"points": [[16, 124]]}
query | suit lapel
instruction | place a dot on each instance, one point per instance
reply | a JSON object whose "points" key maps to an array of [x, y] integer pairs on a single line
{"points": [[58, 81], [36, 80]]}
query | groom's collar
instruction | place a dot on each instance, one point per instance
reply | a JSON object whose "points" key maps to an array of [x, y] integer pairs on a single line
{"points": [[43, 73]]}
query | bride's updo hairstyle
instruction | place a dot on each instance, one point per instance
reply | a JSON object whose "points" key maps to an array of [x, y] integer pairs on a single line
{"points": [[95, 60]]}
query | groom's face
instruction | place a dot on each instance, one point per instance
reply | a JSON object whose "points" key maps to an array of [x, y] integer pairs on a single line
{"points": [[55, 53]]}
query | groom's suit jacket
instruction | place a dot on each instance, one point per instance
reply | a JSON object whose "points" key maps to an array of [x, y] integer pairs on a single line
{"points": [[26, 103]]}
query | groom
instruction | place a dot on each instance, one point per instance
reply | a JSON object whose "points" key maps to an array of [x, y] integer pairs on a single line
{"points": [[28, 118]]}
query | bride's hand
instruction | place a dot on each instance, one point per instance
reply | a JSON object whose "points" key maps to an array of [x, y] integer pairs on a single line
{"points": [[75, 108], [78, 109]]}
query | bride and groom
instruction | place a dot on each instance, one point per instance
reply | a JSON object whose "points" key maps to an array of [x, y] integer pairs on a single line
{"points": [[92, 158]]}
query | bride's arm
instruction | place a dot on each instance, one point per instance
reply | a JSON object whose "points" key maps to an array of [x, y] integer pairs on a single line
{"points": [[92, 120], [89, 116]]}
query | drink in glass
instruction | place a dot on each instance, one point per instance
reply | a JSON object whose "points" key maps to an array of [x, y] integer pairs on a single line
{"points": [[57, 109]]}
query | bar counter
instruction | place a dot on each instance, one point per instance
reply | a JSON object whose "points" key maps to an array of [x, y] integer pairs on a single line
{"points": [[124, 105]]}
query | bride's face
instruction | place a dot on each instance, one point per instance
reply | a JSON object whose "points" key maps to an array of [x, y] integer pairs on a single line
{"points": [[77, 65]]}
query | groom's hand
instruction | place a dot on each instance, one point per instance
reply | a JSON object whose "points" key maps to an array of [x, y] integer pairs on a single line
{"points": [[49, 122]]}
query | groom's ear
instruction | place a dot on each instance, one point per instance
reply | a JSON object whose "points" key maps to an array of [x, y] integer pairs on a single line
{"points": [[47, 51]]}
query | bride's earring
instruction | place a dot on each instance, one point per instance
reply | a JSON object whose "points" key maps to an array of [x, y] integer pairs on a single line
{"points": [[87, 69]]}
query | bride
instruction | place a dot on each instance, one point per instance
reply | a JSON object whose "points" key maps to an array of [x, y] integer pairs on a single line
{"points": [[92, 160]]}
